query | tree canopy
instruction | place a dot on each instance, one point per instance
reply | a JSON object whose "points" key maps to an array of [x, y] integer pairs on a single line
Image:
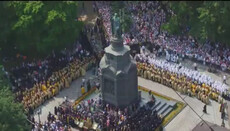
{"points": [[201, 19], [38, 27], [12, 117]]}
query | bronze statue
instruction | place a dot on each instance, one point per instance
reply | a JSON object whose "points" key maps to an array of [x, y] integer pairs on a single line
{"points": [[116, 26]]}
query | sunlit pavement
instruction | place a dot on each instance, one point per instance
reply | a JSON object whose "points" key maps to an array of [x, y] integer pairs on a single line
{"points": [[186, 120]]}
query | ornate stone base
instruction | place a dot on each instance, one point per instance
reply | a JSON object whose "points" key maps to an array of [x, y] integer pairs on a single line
{"points": [[119, 75]]}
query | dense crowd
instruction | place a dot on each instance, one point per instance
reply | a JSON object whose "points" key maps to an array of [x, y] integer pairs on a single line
{"points": [[147, 19], [61, 120], [25, 76], [35, 82], [180, 78], [97, 115], [104, 10]]}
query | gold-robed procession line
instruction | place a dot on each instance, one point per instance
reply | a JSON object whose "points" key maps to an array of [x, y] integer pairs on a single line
{"points": [[42, 91], [179, 83]]}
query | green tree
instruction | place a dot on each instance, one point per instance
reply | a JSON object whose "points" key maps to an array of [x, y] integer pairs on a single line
{"points": [[127, 23], [38, 27], [116, 6], [206, 19], [12, 117], [8, 17]]}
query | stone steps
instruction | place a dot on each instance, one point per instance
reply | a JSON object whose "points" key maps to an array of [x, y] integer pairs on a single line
{"points": [[163, 107], [166, 112], [160, 107], [156, 105]]}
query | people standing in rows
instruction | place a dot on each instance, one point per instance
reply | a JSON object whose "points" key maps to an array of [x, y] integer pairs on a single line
{"points": [[184, 80]]}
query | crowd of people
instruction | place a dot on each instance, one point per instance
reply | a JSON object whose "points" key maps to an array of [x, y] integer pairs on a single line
{"points": [[97, 115], [104, 10], [37, 81], [57, 81], [147, 19], [194, 75], [180, 78], [61, 120]]}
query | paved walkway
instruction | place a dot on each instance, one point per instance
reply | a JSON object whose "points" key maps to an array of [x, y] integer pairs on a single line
{"points": [[186, 117], [202, 127], [72, 93]]}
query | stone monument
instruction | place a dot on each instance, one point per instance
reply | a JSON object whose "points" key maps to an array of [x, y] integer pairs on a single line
{"points": [[119, 71], [116, 26]]}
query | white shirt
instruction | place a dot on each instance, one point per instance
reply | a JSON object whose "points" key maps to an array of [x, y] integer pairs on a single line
{"points": [[224, 77]]}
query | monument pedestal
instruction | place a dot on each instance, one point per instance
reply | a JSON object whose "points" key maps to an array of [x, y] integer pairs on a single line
{"points": [[119, 75]]}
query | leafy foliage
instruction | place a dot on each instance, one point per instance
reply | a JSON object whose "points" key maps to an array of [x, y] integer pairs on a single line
{"points": [[12, 117], [116, 6], [127, 23], [38, 26], [205, 19]]}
